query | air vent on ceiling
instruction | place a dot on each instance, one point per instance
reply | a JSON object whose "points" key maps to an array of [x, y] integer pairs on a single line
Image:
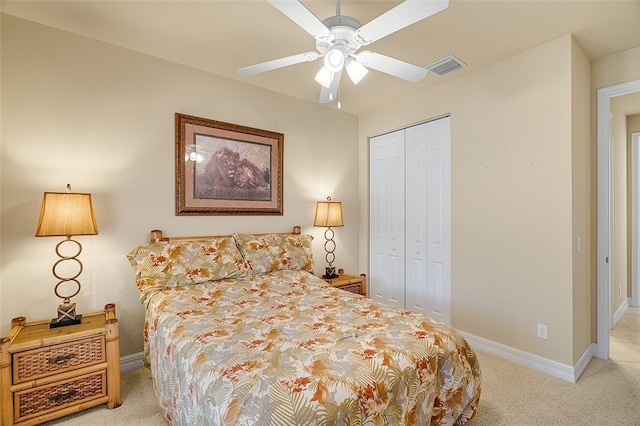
{"points": [[446, 65]]}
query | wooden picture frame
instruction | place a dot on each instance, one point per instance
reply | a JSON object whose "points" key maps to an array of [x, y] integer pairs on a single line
{"points": [[227, 169]]}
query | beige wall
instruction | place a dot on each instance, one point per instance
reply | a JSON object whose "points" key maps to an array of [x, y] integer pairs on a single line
{"points": [[615, 69], [581, 197], [100, 117], [512, 238]]}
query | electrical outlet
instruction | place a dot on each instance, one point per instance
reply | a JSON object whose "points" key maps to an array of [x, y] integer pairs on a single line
{"points": [[619, 290], [542, 331]]}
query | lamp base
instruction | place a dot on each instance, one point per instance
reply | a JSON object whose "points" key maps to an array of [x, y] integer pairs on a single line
{"points": [[66, 315], [330, 272], [55, 323]]}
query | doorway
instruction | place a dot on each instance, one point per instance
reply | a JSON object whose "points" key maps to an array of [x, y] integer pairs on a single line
{"points": [[605, 218]]}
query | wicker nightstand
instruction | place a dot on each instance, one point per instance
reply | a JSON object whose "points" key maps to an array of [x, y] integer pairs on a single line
{"points": [[351, 283], [47, 373]]}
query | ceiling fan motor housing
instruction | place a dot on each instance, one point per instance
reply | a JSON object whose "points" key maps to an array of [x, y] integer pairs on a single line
{"points": [[343, 29]]}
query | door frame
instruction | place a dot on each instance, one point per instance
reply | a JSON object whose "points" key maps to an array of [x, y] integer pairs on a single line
{"points": [[635, 219], [605, 225]]}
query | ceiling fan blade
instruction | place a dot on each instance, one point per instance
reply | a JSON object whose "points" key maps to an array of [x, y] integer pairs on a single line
{"points": [[331, 94], [391, 66], [403, 15], [302, 16], [278, 63]]}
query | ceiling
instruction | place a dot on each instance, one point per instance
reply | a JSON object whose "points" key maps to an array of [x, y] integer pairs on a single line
{"points": [[222, 36]]}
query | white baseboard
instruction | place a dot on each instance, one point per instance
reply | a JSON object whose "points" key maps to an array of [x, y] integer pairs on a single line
{"points": [[130, 362], [584, 361], [622, 309], [536, 362]]}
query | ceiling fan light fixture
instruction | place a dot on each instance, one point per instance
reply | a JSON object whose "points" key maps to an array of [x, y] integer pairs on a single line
{"points": [[334, 60], [324, 77], [356, 71]]}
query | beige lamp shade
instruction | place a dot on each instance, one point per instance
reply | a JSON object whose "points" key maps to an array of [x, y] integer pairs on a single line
{"points": [[66, 213], [328, 213]]}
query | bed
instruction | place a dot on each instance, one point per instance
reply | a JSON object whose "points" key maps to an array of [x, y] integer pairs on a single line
{"points": [[238, 331]]}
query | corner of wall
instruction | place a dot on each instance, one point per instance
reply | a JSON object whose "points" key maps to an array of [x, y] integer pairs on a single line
{"points": [[583, 222]]}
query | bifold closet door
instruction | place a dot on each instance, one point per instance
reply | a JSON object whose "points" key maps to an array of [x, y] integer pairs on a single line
{"points": [[416, 217], [428, 219], [410, 219], [386, 210]]}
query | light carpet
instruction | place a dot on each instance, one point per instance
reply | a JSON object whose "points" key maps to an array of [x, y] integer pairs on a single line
{"points": [[608, 393]]}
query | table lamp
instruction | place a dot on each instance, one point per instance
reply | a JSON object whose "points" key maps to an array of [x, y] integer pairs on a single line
{"points": [[328, 214], [65, 214]]}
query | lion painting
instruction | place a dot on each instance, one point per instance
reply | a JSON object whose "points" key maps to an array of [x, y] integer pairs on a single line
{"points": [[248, 175], [221, 168]]}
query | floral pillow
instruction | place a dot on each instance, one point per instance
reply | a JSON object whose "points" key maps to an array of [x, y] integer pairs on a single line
{"points": [[274, 252], [174, 264]]}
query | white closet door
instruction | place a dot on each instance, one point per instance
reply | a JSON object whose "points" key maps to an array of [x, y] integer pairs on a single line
{"points": [[386, 209], [416, 213], [428, 189], [410, 219], [438, 137]]}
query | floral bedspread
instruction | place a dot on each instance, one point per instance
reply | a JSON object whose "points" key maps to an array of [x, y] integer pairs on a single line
{"points": [[285, 348]]}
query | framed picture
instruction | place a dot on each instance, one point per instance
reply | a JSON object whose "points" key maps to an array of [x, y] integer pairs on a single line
{"points": [[227, 169]]}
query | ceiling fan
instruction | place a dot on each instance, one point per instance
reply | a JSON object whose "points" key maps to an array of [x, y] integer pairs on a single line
{"points": [[338, 39]]}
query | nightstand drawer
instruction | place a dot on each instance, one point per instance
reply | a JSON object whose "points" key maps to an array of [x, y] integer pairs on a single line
{"points": [[42, 362], [44, 399], [352, 288]]}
